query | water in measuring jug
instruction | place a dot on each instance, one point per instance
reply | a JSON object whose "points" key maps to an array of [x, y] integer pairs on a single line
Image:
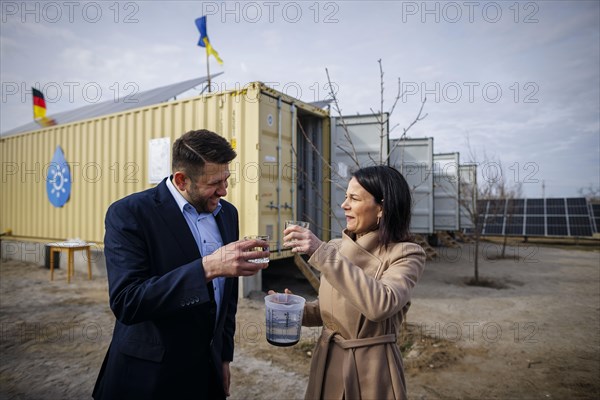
{"points": [[283, 313]]}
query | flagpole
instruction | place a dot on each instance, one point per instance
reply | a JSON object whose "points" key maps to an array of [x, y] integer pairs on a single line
{"points": [[208, 69]]}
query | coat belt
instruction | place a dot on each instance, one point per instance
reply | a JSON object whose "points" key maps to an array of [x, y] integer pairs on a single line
{"points": [[350, 371]]}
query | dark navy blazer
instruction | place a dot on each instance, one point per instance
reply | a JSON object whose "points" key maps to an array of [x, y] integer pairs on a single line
{"points": [[167, 342]]}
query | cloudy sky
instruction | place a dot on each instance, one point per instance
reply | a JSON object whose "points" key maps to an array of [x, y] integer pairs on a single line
{"points": [[512, 81]]}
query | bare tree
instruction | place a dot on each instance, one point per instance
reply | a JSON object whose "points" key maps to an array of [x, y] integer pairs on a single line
{"points": [[345, 143], [382, 116], [494, 186], [510, 193], [591, 192]]}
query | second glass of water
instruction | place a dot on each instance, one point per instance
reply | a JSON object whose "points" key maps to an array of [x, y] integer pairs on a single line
{"points": [[258, 237]]}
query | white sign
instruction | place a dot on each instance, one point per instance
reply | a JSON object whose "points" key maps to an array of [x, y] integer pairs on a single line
{"points": [[159, 160]]}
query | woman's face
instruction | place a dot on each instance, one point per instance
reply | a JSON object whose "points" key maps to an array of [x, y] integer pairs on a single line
{"points": [[360, 209]]}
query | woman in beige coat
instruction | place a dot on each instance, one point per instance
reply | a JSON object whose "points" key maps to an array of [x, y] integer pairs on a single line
{"points": [[367, 278]]}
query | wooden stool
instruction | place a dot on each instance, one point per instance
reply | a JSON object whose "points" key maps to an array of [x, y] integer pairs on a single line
{"points": [[70, 248]]}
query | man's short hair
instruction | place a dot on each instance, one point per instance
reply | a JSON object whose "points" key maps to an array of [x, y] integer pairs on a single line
{"points": [[196, 148]]}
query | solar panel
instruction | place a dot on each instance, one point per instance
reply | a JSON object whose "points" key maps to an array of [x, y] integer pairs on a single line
{"points": [[514, 225], [557, 226], [127, 102], [535, 207], [482, 206], [535, 226], [555, 207], [497, 207], [580, 226], [494, 224], [480, 224], [515, 206], [558, 217], [577, 206]]}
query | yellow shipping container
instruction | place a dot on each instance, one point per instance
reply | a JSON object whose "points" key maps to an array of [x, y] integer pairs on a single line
{"points": [[280, 172]]}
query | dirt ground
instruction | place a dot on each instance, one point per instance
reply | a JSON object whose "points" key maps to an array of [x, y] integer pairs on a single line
{"points": [[535, 337]]}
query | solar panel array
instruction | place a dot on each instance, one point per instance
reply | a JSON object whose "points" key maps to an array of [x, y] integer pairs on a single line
{"points": [[539, 217]]}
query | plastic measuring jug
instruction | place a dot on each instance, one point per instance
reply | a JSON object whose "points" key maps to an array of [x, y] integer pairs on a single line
{"points": [[283, 314]]}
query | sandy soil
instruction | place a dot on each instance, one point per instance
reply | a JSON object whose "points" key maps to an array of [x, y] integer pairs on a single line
{"points": [[538, 337]]}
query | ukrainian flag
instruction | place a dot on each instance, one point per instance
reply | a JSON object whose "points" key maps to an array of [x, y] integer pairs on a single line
{"points": [[204, 42]]}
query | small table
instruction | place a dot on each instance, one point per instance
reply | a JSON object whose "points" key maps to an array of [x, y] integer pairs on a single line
{"points": [[70, 248]]}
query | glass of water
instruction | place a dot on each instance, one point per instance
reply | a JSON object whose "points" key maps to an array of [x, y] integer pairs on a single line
{"points": [[289, 223], [303, 224], [258, 237]]}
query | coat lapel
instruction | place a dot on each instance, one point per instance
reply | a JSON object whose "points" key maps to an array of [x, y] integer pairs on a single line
{"points": [[225, 237], [173, 220], [362, 251]]}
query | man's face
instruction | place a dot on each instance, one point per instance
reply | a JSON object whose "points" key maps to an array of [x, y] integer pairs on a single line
{"points": [[204, 191]]}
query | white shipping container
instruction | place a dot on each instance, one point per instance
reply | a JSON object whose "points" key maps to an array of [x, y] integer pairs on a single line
{"points": [[414, 159]]}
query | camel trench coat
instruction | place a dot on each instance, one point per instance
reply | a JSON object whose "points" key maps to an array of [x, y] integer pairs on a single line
{"points": [[364, 293]]}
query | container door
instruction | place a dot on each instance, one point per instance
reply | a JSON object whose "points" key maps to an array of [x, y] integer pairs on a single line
{"points": [[446, 195], [311, 171], [414, 159], [364, 132]]}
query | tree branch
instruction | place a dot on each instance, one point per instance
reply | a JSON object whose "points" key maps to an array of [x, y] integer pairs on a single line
{"points": [[417, 119], [336, 106]]}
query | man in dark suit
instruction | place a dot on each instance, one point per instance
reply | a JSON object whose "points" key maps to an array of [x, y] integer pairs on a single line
{"points": [[173, 260]]}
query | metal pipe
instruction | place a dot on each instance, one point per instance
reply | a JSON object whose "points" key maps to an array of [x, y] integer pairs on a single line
{"points": [[294, 161], [279, 173]]}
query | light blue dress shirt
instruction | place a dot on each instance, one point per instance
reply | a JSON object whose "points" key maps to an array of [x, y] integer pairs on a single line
{"points": [[206, 233]]}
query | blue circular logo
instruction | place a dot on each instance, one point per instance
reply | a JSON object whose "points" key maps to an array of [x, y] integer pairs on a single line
{"points": [[58, 181]]}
